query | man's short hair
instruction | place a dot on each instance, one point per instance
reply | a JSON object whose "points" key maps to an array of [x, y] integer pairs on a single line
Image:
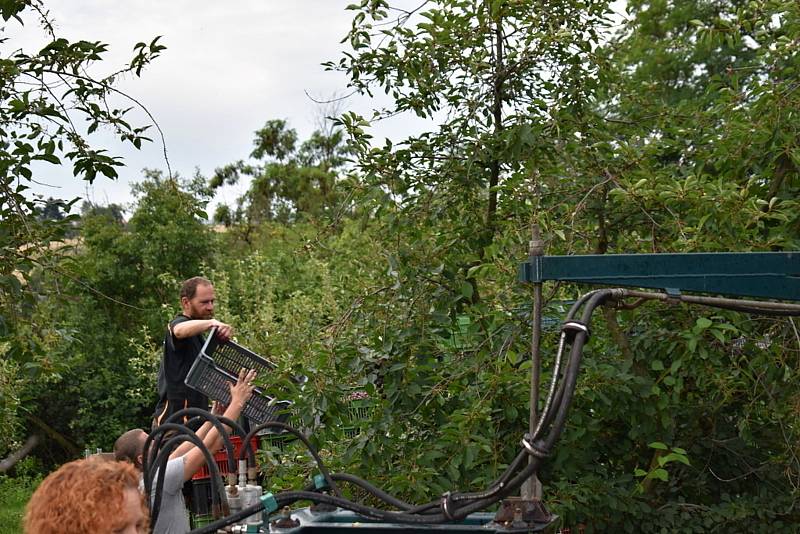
{"points": [[189, 287], [129, 446]]}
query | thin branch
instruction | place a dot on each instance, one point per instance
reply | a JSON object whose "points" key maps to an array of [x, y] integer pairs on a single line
{"points": [[132, 99], [331, 101], [743, 475], [76, 280]]}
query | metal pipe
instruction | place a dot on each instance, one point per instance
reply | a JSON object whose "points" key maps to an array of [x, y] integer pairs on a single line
{"points": [[753, 306], [533, 488]]}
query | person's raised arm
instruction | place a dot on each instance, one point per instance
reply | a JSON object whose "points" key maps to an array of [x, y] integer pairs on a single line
{"points": [[240, 394], [193, 327], [216, 409]]}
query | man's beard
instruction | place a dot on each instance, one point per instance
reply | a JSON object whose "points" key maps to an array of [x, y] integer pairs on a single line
{"points": [[200, 314]]}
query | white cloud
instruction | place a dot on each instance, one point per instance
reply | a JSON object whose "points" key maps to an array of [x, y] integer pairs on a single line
{"points": [[228, 67]]}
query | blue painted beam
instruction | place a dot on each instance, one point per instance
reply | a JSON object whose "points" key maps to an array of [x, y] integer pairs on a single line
{"points": [[773, 275]]}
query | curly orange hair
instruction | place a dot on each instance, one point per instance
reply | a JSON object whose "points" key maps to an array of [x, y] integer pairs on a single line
{"points": [[81, 497]]}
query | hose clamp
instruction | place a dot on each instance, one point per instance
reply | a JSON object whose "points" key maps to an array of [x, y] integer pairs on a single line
{"points": [[445, 502], [532, 449], [571, 329], [319, 482], [269, 503]]}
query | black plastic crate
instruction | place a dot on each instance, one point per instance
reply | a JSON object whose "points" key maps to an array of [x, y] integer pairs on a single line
{"points": [[200, 502], [276, 441], [200, 520], [232, 357], [200, 499], [212, 380]]}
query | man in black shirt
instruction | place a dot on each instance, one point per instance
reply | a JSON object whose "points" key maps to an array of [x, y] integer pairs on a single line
{"points": [[182, 343]]}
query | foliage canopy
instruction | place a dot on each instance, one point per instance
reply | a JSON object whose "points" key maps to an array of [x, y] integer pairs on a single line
{"points": [[670, 129]]}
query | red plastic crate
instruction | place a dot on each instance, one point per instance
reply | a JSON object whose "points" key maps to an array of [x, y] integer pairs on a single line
{"points": [[221, 457]]}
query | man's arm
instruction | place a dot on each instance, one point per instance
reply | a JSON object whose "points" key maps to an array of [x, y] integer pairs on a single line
{"points": [[240, 393], [201, 432], [193, 327]]}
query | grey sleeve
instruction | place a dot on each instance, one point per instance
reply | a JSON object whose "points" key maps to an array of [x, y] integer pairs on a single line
{"points": [[173, 481]]}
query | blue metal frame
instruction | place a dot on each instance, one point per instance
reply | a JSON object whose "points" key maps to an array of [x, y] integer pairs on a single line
{"points": [[751, 274], [344, 521]]}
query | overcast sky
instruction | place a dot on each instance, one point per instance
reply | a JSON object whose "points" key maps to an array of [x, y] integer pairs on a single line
{"points": [[228, 68]]}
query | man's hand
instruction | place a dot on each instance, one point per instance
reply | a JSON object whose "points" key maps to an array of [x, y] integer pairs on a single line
{"points": [[243, 389], [240, 394], [224, 331], [217, 408]]}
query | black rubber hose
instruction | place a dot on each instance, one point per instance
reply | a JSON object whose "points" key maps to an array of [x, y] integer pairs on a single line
{"points": [[421, 508], [513, 485], [573, 311], [212, 528], [573, 367], [214, 420], [161, 462], [492, 490], [556, 385], [311, 449], [592, 300], [495, 486], [218, 498], [239, 431], [372, 490], [377, 492], [153, 444], [163, 457]]}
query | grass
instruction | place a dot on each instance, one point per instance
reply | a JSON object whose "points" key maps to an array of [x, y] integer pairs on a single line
{"points": [[14, 495]]}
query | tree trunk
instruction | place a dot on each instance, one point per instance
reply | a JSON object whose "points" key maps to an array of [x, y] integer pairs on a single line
{"points": [[497, 113], [22, 452]]}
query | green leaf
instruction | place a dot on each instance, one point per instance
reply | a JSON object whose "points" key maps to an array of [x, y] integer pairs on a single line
{"points": [[50, 158], [674, 457], [660, 474], [718, 334], [466, 290], [703, 323]]}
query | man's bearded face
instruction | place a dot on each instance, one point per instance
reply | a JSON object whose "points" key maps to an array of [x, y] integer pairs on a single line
{"points": [[201, 306]]}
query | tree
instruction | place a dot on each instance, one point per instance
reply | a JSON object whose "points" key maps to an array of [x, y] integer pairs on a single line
{"points": [[114, 211], [43, 97], [604, 159], [288, 183], [497, 70], [127, 276]]}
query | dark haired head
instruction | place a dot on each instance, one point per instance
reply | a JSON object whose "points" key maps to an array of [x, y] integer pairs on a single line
{"points": [[129, 446], [189, 287]]}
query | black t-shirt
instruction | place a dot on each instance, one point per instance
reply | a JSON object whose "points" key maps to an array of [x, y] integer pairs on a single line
{"points": [[179, 355]]}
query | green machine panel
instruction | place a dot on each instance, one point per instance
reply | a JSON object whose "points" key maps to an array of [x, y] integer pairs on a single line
{"points": [[740, 274]]}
